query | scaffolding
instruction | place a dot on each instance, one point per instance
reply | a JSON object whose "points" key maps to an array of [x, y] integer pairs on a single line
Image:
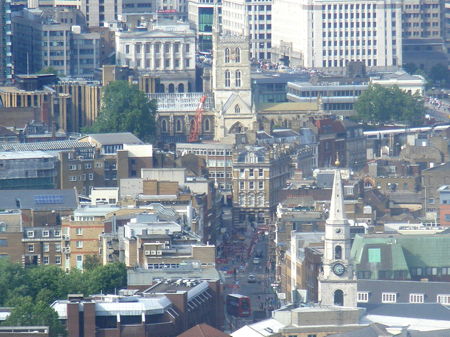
{"points": [[181, 102]]}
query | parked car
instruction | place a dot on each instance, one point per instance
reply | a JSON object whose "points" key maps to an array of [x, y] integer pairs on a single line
{"points": [[251, 278]]}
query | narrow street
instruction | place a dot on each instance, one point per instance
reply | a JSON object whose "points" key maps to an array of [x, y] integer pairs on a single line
{"points": [[243, 253]]}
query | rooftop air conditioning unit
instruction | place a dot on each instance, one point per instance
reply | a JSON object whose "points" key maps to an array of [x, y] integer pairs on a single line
{"points": [[147, 252], [153, 252]]}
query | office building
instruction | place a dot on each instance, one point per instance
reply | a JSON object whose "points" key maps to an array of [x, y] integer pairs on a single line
{"points": [[252, 18], [201, 17], [5, 42], [330, 34]]}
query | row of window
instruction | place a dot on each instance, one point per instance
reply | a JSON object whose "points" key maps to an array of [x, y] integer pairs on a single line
{"points": [[345, 7], [350, 15], [45, 247], [250, 200], [251, 172], [237, 78], [251, 185], [45, 233], [157, 48], [90, 176], [180, 126], [349, 25], [349, 52], [236, 56], [74, 167], [391, 297], [340, 63], [341, 43]]}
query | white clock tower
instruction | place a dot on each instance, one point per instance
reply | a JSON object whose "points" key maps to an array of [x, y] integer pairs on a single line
{"points": [[337, 281]]}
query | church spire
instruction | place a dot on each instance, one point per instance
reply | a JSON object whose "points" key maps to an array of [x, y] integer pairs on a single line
{"points": [[337, 213]]}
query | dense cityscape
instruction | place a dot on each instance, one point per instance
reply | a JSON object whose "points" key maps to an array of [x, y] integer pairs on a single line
{"points": [[214, 168]]}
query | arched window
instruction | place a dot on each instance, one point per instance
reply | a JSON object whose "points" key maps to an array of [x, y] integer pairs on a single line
{"points": [[238, 79], [164, 125], [251, 200], [181, 87], [237, 109], [179, 127], [339, 297], [207, 125], [161, 88], [237, 57], [337, 252], [227, 55], [227, 79], [171, 87]]}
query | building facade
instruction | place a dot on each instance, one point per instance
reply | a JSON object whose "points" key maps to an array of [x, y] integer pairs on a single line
{"points": [[165, 50], [5, 42], [258, 176], [253, 18], [329, 34]]}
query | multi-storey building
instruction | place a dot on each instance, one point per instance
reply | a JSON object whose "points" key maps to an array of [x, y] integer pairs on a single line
{"points": [[168, 50], [98, 12], [201, 19], [253, 18], [330, 34], [27, 170], [258, 176], [5, 41], [423, 28], [218, 158]]}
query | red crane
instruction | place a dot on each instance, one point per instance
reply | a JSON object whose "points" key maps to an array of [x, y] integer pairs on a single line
{"points": [[197, 126]]}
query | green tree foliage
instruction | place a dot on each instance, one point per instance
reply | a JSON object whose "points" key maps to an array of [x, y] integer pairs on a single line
{"points": [[125, 108], [28, 312], [48, 70], [381, 104], [30, 291]]}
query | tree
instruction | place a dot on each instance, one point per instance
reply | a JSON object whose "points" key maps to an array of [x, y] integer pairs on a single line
{"points": [[107, 279], [26, 312], [48, 70], [410, 68], [389, 104], [439, 74], [125, 108], [91, 262]]}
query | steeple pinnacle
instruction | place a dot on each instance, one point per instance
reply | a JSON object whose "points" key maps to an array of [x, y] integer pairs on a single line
{"points": [[337, 214]]}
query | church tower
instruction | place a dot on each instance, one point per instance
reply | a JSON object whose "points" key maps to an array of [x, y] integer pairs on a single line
{"points": [[231, 83], [337, 281]]}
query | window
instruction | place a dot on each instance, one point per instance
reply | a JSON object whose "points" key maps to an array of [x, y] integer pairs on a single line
{"points": [[237, 57], [46, 247], [164, 125], [237, 109], [30, 248], [79, 244], [88, 166], [227, 79], [338, 252], [260, 172], [251, 185], [57, 247], [45, 260], [416, 298], [79, 231], [261, 185], [3, 243], [388, 297], [57, 259], [91, 176], [238, 79], [72, 167], [227, 55], [241, 185], [251, 173], [57, 233], [30, 234], [45, 234], [72, 178], [443, 299], [374, 255], [363, 296]]}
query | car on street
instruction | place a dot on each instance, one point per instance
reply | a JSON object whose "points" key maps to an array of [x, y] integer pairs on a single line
{"points": [[256, 260], [251, 278]]}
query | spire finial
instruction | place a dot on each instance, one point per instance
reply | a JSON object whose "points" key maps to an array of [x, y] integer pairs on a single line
{"points": [[337, 163]]}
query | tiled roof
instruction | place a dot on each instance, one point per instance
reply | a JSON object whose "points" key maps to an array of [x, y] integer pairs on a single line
{"points": [[45, 146], [203, 330]]}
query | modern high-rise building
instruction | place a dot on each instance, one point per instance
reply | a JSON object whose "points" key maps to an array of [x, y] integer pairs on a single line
{"points": [[252, 17], [5, 41], [98, 12], [201, 19], [330, 34]]}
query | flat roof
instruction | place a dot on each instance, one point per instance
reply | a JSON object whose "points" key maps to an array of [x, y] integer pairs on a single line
{"points": [[291, 106], [25, 155]]}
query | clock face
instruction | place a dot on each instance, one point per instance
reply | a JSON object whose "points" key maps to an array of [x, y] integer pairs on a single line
{"points": [[338, 269]]}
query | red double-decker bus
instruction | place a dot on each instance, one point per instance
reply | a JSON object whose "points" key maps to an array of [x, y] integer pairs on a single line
{"points": [[238, 305]]}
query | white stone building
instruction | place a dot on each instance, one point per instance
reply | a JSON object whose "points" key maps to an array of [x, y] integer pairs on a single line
{"points": [[167, 50], [252, 17], [329, 34]]}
